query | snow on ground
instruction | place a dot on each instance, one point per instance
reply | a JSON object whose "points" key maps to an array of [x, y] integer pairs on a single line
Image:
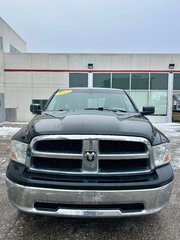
{"points": [[16, 123], [171, 130], [8, 131]]}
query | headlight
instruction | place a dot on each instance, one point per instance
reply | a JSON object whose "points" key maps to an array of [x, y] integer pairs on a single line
{"points": [[18, 151], [162, 154]]}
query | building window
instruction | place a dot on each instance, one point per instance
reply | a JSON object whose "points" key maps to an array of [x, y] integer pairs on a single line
{"points": [[159, 81], [145, 91], [102, 80], [140, 98], [42, 102], [139, 81], [78, 80], [158, 99], [1, 44], [120, 80], [13, 49], [176, 81]]}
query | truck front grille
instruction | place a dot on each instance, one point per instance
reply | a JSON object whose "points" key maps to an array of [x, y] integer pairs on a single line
{"points": [[55, 164], [129, 165], [109, 147], [59, 146], [90, 154]]}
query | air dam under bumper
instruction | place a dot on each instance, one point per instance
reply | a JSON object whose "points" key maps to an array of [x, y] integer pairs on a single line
{"points": [[26, 198]]}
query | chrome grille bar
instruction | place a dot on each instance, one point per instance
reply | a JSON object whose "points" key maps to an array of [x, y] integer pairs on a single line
{"points": [[56, 155], [123, 156], [91, 143]]}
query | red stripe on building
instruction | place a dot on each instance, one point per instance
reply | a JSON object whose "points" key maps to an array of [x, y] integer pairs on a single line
{"points": [[90, 71]]}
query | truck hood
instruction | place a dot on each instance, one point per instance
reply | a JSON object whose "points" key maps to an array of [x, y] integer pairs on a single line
{"points": [[92, 122]]}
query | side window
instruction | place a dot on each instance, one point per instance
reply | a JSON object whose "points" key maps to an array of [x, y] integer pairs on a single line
{"points": [[139, 81], [13, 49], [159, 81], [176, 81], [102, 80], [78, 79], [1, 43], [121, 80]]}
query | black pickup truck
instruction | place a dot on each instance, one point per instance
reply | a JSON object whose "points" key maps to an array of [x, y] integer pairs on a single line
{"points": [[89, 153]]}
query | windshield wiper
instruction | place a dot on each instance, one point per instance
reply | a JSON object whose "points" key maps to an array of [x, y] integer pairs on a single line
{"points": [[116, 109], [99, 108], [61, 110], [107, 109]]}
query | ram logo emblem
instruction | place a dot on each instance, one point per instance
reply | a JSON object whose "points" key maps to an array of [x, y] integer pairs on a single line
{"points": [[90, 156]]}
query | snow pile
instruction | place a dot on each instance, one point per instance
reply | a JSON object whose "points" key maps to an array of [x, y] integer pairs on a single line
{"points": [[8, 131], [171, 130]]}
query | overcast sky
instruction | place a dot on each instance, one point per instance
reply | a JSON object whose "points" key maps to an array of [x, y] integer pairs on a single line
{"points": [[123, 26]]}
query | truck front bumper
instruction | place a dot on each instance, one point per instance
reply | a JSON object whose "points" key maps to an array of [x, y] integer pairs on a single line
{"points": [[88, 203]]}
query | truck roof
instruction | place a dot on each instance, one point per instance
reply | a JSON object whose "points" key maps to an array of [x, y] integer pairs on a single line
{"points": [[91, 89]]}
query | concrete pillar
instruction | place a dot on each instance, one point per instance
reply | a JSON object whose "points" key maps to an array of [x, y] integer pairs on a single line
{"points": [[170, 97], [90, 80]]}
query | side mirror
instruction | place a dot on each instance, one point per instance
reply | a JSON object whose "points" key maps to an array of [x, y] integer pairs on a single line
{"points": [[35, 108], [148, 110]]}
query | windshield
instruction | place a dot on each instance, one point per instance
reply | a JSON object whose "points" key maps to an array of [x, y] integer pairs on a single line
{"points": [[90, 100]]}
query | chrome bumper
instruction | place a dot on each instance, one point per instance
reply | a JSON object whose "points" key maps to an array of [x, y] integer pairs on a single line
{"points": [[24, 197]]}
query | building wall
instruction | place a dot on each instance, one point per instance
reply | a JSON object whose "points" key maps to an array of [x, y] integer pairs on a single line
{"points": [[22, 87], [1, 74], [30, 76], [10, 37]]}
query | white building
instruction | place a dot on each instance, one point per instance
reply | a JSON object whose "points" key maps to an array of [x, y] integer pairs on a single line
{"points": [[32, 77], [10, 41]]}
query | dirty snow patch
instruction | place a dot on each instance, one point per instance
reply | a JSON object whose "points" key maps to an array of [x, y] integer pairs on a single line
{"points": [[8, 131]]}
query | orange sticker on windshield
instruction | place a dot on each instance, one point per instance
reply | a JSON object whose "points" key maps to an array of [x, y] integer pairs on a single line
{"points": [[63, 92]]}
